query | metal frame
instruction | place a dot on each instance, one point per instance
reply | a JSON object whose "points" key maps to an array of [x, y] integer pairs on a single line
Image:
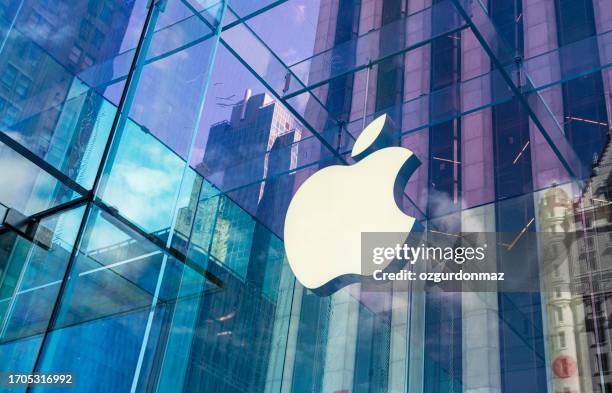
{"points": [[518, 91], [152, 13]]}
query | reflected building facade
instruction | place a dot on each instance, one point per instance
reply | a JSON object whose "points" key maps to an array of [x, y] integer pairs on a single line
{"points": [[592, 268], [259, 141], [42, 56]]}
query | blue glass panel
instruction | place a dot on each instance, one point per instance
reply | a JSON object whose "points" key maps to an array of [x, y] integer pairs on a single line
{"points": [[26, 187], [102, 350], [115, 271], [172, 84], [19, 356], [32, 272], [61, 74], [143, 176]]}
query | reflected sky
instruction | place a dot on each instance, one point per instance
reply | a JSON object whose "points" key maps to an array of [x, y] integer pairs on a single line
{"points": [[144, 177], [293, 39]]}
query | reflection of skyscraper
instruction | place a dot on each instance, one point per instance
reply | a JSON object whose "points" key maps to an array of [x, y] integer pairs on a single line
{"points": [[592, 269], [565, 335], [232, 347], [43, 103], [578, 281], [257, 142]]}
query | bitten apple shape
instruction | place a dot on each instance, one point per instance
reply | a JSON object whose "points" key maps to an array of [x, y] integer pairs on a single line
{"points": [[333, 207]]}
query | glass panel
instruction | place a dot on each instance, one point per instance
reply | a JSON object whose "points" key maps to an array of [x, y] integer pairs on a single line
{"points": [[51, 100], [122, 283], [293, 40], [490, 88], [409, 32], [27, 188], [246, 8], [539, 109], [270, 71], [19, 356], [232, 238], [143, 176], [240, 144], [30, 274], [203, 225], [91, 354], [170, 90], [578, 58]]}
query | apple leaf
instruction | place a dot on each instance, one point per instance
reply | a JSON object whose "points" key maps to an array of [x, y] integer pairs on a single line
{"points": [[369, 136]]}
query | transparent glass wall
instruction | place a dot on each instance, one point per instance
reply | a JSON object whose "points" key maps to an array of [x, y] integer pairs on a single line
{"points": [[149, 150]]}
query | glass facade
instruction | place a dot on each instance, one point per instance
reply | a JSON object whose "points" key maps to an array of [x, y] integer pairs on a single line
{"points": [[149, 150]]}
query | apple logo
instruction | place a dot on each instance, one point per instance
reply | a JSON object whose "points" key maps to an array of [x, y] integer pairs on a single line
{"points": [[332, 208]]}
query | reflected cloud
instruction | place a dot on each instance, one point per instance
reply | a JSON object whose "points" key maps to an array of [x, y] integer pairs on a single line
{"points": [[145, 178], [300, 13]]}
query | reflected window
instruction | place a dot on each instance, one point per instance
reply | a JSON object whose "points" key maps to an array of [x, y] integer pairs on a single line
{"points": [[98, 38], [605, 363], [562, 340], [32, 53], [575, 19], [10, 115], [23, 86], [35, 19], [106, 13], [603, 331], [88, 61], [592, 261], [559, 314], [9, 75], [75, 54], [85, 30]]}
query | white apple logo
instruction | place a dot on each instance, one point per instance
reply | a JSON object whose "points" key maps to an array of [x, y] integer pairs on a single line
{"points": [[333, 207]]}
